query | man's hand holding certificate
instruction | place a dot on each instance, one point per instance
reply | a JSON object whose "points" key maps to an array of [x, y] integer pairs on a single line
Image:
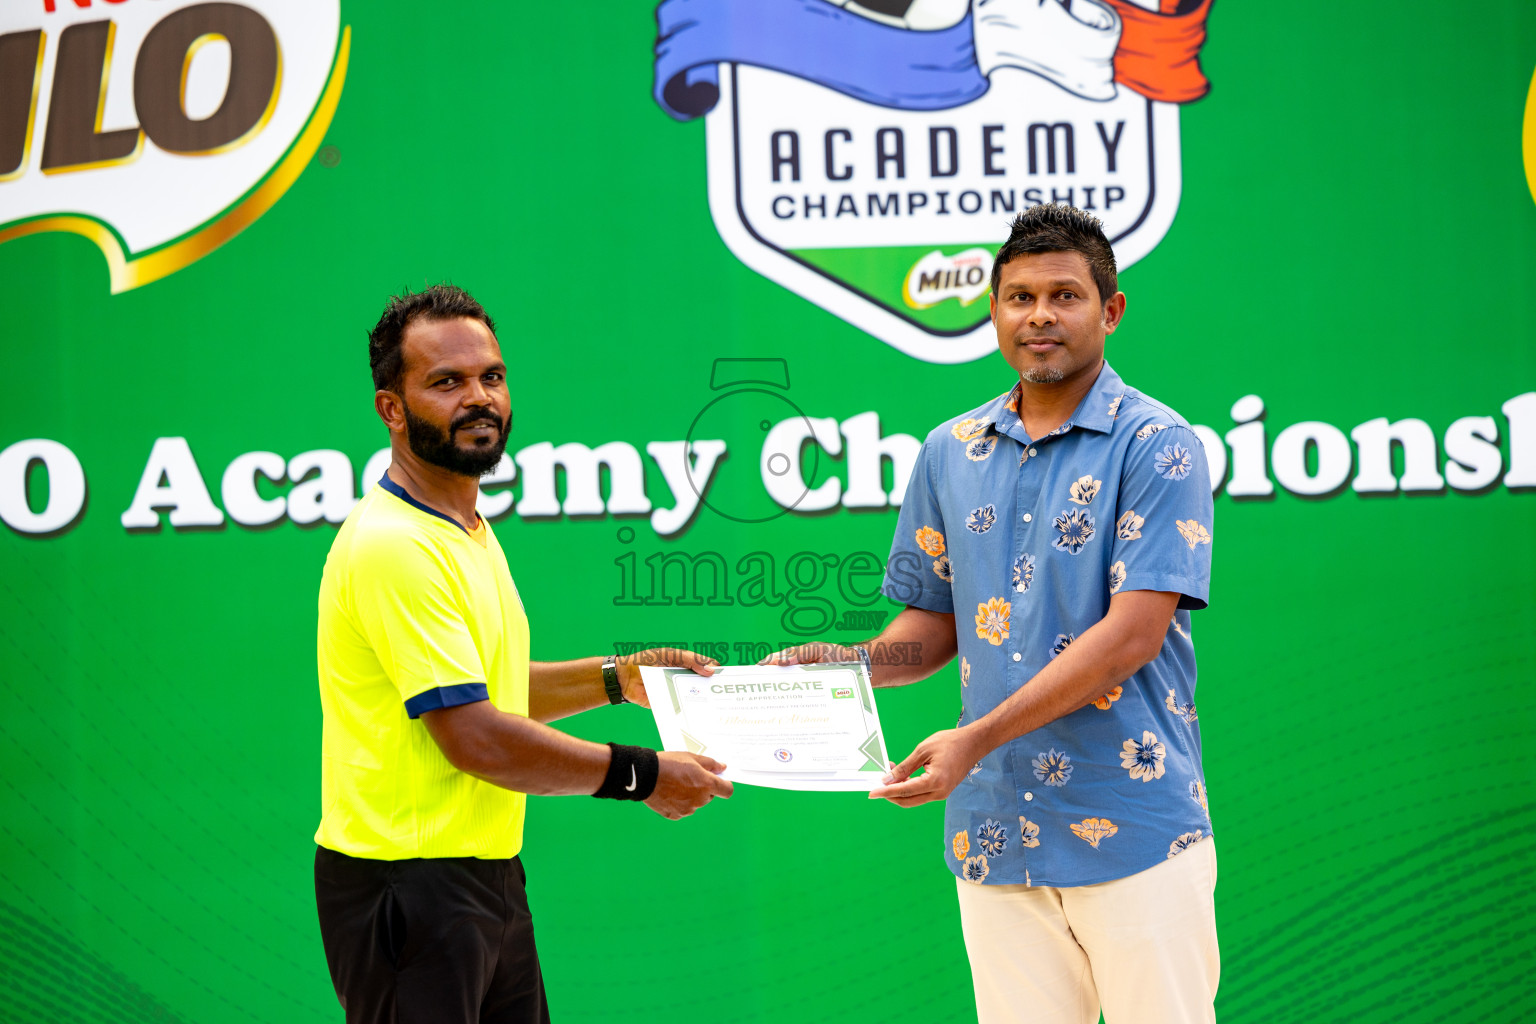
{"points": [[810, 727]]}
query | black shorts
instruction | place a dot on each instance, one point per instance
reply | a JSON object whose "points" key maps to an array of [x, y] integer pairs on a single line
{"points": [[429, 940]]}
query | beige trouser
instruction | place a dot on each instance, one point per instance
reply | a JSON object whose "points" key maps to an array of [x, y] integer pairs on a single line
{"points": [[1143, 948]]}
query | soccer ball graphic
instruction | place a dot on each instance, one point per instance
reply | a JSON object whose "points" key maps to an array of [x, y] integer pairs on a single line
{"points": [[919, 15]]}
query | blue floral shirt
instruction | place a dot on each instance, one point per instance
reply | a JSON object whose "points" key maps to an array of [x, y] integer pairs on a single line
{"points": [[1024, 540]]}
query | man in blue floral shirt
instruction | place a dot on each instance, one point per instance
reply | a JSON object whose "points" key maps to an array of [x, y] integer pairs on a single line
{"points": [[1056, 540]]}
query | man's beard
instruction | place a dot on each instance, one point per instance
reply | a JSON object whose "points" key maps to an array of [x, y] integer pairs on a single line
{"points": [[1043, 374], [436, 447]]}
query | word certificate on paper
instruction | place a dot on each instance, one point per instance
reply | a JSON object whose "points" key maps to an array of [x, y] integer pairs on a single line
{"points": [[788, 727]]}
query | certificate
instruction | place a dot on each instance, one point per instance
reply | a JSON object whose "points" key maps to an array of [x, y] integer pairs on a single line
{"points": [[790, 727]]}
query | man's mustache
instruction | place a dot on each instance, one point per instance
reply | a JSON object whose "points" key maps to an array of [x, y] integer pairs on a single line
{"points": [[474, 418]]}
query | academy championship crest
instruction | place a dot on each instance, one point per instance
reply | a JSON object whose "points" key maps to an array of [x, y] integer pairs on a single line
{"points": [[869, 155]]}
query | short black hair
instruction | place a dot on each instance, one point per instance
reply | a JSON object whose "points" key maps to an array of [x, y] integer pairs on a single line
{"points": [[1057, 227], [437, 302]]}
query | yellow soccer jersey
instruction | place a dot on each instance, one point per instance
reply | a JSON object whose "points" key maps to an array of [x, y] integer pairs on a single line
{"points": [[415, 615]]}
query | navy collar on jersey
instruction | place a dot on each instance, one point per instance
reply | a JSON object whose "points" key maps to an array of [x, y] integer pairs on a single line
{"points": [[401, 493]]}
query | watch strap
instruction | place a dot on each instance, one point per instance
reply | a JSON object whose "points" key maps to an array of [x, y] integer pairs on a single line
{"points": [[863, 652], [611, 681]]}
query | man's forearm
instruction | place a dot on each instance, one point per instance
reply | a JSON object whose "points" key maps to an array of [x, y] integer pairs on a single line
{"points": [[559, 689], [1106, 655], [520, 754], [913, 647], [516, 753]]}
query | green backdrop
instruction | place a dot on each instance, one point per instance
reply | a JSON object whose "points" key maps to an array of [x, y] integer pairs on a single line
{"points": [[1356, 238]]}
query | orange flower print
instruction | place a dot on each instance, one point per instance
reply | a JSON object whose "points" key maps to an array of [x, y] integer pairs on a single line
{"points": [[1109, 698], [961, 845], [1094, 830], [931, 541], [992, 620], [969, 430]]}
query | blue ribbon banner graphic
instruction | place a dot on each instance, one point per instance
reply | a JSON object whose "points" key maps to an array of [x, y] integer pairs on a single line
{"points": [[813, 40]]}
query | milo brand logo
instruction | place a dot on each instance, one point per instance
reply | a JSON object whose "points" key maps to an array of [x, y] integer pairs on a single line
{"points": [[159, 130], [936, 277]]}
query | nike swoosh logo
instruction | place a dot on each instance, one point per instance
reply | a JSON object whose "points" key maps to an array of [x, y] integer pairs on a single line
{"points": [[632, 780]]}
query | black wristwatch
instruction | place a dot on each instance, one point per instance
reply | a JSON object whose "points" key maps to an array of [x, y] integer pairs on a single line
{"points": [[611, 681]]}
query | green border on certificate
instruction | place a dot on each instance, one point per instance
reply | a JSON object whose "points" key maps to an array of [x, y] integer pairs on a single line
{"points": [[835, 751]]}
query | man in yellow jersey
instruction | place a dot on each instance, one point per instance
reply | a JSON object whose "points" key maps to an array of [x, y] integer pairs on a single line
{"points": [[433, 714]]}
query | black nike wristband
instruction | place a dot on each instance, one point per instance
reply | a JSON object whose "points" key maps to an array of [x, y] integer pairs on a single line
{"points": [[631, 774]]}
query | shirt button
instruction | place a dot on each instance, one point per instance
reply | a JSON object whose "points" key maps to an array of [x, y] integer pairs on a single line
{"points": [[1027, 517], [1017, 655], [1029, 796], [1031, 453]]}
